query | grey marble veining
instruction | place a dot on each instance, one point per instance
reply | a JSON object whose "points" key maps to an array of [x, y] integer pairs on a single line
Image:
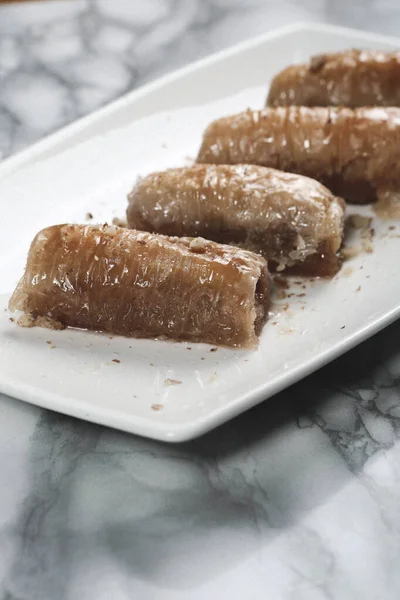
{"points": [[297, 499]]}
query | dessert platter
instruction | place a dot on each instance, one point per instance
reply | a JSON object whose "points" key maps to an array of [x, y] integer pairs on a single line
{"points": [[179, 268]]}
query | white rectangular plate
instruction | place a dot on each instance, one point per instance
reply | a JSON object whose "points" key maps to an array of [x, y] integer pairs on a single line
{"points": [[159, 389]]}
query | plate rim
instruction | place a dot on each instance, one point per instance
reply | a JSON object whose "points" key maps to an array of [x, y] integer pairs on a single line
{"points": [[177, 433]]}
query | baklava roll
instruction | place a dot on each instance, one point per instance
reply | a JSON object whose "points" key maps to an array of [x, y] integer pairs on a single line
{"points": [[352, 152], [293, 221], [350, 78], [132, 283]]}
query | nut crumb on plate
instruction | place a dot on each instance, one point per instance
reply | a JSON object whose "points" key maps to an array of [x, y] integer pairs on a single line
{"points": [[169, 381]]}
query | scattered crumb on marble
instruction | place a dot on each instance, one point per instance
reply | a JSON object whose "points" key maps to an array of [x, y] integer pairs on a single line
{"points": [[343, 326], [188, 348], [300, 295], [281, 294], [151, 364], [213, 349], [11, 319], [391, 227], [156, 407], [52, 348], [213, 377], [358, 289], [115, 360], [49, 342], [169, 381], [88, 216], [110, 337], [202, 358]]}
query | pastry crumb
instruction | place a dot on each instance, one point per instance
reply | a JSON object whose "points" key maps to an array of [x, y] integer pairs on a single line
{"points": [[213, 349], [169, 381], [358, 289], [282, 282], [213, 377], [198, 245], [350, 252], [120, 222], [346, 271], [89, 216], [115, 360], [359, 221], [157, 407], [11, 319], [26, 320]]}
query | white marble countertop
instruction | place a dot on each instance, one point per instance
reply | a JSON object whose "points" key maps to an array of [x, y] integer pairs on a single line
{"points": [[297, 499]]}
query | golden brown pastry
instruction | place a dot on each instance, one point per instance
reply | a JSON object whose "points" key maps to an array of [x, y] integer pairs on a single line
{"points": [[350, 78], [293, 221], [136, 284], [352, 152]]}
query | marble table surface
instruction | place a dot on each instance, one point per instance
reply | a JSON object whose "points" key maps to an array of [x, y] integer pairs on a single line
{"points": [[297, 499]]}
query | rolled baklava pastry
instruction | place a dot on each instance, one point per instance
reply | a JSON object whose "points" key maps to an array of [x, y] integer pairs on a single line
{"points": [[293, 221], [350, 78], [137, 284], [352, 152]]}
